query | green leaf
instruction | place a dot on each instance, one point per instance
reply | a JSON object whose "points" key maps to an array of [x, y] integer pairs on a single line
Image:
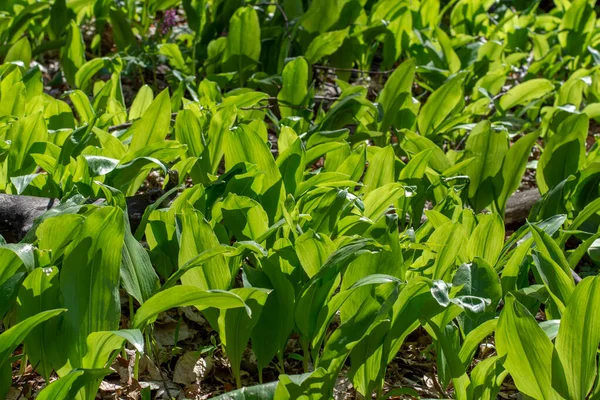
{"points": [[243, 144], [487, 378], [123, 34], [379, 200], [313, 249], [68, 385], [72, 53], [183, 296], [137, 273], [102, 349], [294, 91], [188, 131], [527, 349], [271, 333], [576, 27], [257, 392], [381, 170], [440, 105], [176, 60], [445, 243], [400, 81], [89, 279], [524, 93], [83, 106], [243, 217], [513, 168], [574, 362], [219, 125], [488, 149], [41, 292], [478, 279], [321, 16], [25, 134], [141, 102], [487, 239], [19, 52], [11, 338], [243, 48], [154, 125], [197, 237], [85, 73], [9, 291], [325, 44], [236, 324], [318, 290], [564, 154]]}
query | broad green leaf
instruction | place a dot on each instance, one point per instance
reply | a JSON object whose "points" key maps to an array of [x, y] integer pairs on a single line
{"points": [[325, 44], [197, 236], [85, 73], [244, 218], [564, 153], [25, 134], [527, 349], [321, 16], [141, 102], [513, 167], [137, 273], [9, 291], [11, 338], [488, 148], [89, 279], [313, 249], [188, 131], [377, 201], [67, 386], [400, 81], [219, 125], [154, 125], [487, 239], [101, 351], [257, 392], [20, 51], [381, 170], [487, 378], [478, 279], [574, 362], [440, 105], [524, 93], [41, 292], [243, 144], [236, 324], [445, 243], [576, 27], [243, 47], [123, 33], [183, 296], [271, 332], [73, 52], [294, 91]]}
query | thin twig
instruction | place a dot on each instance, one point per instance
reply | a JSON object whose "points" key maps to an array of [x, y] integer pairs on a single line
{"points": [[263, 107], [128, 124], [283, 14], [160, 371], [358, 71], [21, 377]]}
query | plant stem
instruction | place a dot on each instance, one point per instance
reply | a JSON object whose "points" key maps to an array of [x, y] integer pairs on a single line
{"points": [[136, 366], [306, 353]]}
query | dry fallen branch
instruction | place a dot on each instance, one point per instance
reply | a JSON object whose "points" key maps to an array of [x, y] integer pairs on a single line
{"points": [[17, 213]]}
